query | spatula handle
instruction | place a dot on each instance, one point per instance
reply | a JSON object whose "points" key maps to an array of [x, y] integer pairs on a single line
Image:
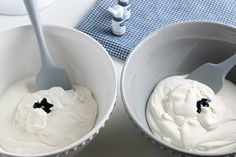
{"points": [[32, 9], [228, 64]]}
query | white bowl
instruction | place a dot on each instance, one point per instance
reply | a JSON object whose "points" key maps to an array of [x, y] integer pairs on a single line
{"points": [[86, 61], [172, 50]]}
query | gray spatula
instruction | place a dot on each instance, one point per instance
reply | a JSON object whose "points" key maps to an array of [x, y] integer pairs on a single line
{"points": [[50, 74], [213, 75]]}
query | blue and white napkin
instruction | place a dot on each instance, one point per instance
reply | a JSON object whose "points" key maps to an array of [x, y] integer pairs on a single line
{"points": [[149, 15]]}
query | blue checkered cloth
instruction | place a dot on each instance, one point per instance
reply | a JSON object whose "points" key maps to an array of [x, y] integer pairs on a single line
{"points": [[149, 15]]}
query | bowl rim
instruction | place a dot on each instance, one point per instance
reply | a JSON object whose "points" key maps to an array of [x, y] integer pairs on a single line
{"points": [[128, 108], [95, 130]]}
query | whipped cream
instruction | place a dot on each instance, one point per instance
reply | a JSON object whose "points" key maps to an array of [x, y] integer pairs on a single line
{"points": [[28, 130], [172, 115]]}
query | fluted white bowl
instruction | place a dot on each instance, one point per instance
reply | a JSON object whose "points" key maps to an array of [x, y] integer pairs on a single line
{"points": [[85, 60], [172, 50]]}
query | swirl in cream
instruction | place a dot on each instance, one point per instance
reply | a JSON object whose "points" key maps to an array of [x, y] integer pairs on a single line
{"points": [[172, 115]]}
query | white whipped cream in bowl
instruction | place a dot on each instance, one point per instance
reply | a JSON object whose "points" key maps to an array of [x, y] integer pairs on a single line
{"points": [[189, 115], [47, 119], [53, 122], [180, 115]]}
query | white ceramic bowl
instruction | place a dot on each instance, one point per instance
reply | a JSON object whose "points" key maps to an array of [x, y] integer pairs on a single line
{"points": [[86, 61], [172, 50]]}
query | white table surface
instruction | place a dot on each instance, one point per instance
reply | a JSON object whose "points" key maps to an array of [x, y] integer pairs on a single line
{"points": [[119, 137]]}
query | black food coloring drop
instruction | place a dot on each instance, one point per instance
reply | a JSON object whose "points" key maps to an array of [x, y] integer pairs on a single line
{"points": [[202, 103], [43, 105]]}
